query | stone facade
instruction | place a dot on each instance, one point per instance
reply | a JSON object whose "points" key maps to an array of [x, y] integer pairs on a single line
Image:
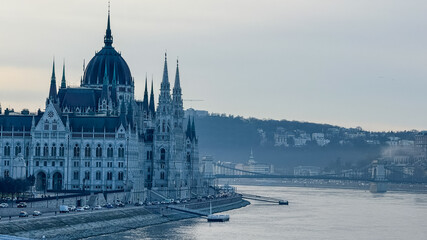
{"points": [[97, 137]]}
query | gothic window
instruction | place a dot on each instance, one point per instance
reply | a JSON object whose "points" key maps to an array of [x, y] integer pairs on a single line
{"points": [[188, 157], [87, 175], [61, 150], [148, 155], [53, 163], [121, 151], [45, 150], [98, 164], [121, 164], [38, 149], [162, 154], [61, 164], [77, 151], [110, 164], [87, 151], [45, 163], [110, 151], [53, 152], [162, 175], [54, 125], [99, 151], [120, 176], [7, 150], [98, 175], [6, 173], [17, 149], [46, 125], [76, 175], [163, 126], [37, 163], [109, 176]]}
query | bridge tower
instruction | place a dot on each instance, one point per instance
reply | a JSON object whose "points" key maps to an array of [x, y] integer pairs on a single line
{"points": [[378, 184]]}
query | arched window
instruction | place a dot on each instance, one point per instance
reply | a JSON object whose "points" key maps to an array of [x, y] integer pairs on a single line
{"points": [[163, 126], [188, 157], [121, 151], [87, 151], [162, 154], [87, 175], [120, 176], [110, 151], [76, 151], [61, 150], [45, 150], [38, 149], [76, 175], [53, 152], [17, 149], [99, 151], [162, 175], [7, 150], [109, 176], [6, 173], [98, 175]]}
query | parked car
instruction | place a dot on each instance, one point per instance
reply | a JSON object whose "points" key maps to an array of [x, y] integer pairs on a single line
{"points": [[22, 205], [98, 207], [23, 214], [109, 205], [80, 209], [86, 207], [139, 204], [120, 204], [4, 205], [64, 209], [37, 213], [72, 208]]}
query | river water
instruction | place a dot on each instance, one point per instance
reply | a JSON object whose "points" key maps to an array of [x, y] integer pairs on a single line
{"points": [[313, 213]]}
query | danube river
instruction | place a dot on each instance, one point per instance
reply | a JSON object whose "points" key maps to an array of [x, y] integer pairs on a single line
{"points": [[313, 213]]}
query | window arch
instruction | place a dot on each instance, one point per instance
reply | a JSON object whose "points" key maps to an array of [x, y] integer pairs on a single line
{"points": [[110, 151], [17, 149], [99, 151], [53, 150], [76, 151], [87, 151], [109, 176], [45, 150], [7, 150], [38, 150], [121, 151], [162, 154], [61, 150], [120, 176]]}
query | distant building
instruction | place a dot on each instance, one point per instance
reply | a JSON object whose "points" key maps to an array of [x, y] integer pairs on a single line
{"points": [[306, 171], [255, 167], [421, 144]]}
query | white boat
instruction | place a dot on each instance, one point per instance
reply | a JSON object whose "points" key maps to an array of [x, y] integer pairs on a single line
{"points": [[217, 218]]}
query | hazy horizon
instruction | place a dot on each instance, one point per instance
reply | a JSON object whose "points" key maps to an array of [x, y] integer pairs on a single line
{"points": [[344, 63]]}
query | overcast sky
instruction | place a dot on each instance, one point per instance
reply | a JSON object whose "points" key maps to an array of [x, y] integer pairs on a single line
{"points": [[348, 63]]}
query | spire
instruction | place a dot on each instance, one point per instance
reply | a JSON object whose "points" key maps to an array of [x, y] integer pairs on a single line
{"points": [[63, 83], [165, 81], [145, 101], [52, 91], [114, 86], [151, 107], [108, 39], [104, 94], [177, 84], [129, 116]]}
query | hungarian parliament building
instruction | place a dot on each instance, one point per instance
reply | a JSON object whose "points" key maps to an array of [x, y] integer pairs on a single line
{"points": [[98, 138]]}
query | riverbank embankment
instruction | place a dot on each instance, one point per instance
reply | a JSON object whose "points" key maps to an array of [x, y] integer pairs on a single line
{"points": [[95, 223]]}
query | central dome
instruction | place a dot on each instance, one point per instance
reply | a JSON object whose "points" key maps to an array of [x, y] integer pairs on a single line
{"points": [[108, 58]]}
